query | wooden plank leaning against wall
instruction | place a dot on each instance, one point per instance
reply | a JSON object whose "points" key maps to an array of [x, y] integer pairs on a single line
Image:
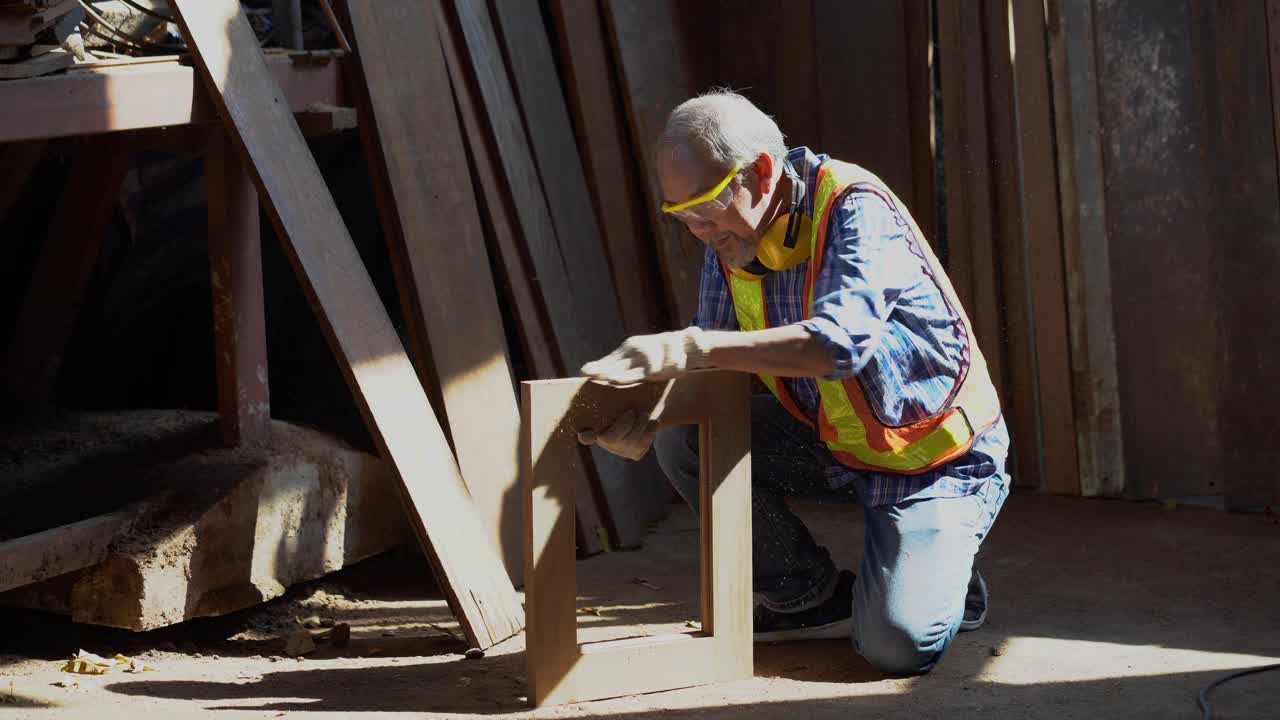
{"points": [[595, 100], [1045, 273], [382, 380], [1241, 51], [655, 77], [879, 140], [571, 272], [635, 494], [1021, 408], [1099, 435], [971, 254], [414, 147], [522, 289]]}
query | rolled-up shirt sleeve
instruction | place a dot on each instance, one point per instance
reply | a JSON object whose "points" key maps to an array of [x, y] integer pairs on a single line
{"points": [[858, 284]]}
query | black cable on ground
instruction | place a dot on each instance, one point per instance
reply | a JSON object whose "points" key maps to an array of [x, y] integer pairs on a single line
{"points": [[1203, 699]]}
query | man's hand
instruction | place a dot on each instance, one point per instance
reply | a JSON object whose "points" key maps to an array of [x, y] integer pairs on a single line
{"points": [[650, 357], [631, 435]]}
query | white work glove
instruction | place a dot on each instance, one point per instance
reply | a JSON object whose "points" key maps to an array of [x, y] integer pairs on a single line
{"points": [[630, 436], [650, 357]]}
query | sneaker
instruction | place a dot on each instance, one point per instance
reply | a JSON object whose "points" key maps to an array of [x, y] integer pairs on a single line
{"points": [[975, 603], [832, 619]]}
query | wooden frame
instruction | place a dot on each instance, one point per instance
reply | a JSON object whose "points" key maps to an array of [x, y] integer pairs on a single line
{"points": [[559, 669]]}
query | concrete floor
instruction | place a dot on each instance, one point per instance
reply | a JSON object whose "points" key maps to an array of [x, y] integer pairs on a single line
{"points": [[1100, 609]]}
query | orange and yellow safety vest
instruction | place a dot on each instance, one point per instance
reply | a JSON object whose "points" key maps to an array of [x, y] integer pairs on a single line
{"points": [[846, 422]]}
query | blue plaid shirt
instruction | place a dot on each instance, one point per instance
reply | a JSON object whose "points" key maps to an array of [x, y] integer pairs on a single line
{"points": [[883, 319]]}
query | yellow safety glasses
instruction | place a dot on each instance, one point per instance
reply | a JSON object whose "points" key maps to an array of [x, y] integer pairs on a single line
{"points": [[706, 204]]}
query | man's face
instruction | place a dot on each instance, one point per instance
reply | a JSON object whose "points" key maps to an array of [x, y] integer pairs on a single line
{"points": [[733, 232]]}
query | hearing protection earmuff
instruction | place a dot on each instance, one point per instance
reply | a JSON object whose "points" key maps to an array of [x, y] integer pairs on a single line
{"points": [[779, 247]]}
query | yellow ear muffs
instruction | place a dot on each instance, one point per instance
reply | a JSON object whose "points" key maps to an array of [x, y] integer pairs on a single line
{"points": [[780, 248], [774, 251]]}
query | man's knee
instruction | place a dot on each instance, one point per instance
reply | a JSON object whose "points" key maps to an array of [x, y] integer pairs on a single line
{"points": [[677, 450], [900, 645], [675, 447]]}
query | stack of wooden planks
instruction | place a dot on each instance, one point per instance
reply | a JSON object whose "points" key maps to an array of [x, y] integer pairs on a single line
{"points": [[30, 34], [567, 228], [1005, 252], [517, 224]]}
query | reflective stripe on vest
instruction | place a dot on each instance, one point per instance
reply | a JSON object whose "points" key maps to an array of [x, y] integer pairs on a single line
{"points": [[846, 422], [749, 305]]}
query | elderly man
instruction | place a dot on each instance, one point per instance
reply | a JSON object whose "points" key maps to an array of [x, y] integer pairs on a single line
{"points": [[817, 279]]}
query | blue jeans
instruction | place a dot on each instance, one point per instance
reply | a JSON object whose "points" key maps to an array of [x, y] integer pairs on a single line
{"points": [[908, 599]]}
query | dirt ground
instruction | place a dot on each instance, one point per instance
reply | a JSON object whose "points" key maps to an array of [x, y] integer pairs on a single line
{"points": [[1100, 609]]}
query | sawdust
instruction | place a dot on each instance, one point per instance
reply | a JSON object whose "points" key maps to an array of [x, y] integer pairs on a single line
{"points": [[1095, 646]]}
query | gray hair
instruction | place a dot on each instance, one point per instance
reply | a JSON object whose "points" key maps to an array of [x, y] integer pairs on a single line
{"points": [[727, 125]]}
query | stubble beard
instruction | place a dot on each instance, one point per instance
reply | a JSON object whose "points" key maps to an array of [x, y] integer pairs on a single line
{"points": [[737, 254]]}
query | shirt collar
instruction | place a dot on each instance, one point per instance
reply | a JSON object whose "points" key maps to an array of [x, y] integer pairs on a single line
{"points": [[806, 163]]}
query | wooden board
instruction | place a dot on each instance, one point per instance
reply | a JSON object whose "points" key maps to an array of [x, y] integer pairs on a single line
{"points": [[67, 257], [613, 177], [36, 66], [880, 140], [655, 77], [585, 325], [1045, 276], [985, 310], [799, 77], [137, 95], [918, 18], [953, 246], [239, 313], [22, 28], [61, 550], [414, 145], [1155, 168], [1239, 82], [512, 148], [1099, 432], [521, 288], [753, 69], [559, 669], [1246, 488], [1020, 402], [380, 376], [971, 257], [555, 154]]}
